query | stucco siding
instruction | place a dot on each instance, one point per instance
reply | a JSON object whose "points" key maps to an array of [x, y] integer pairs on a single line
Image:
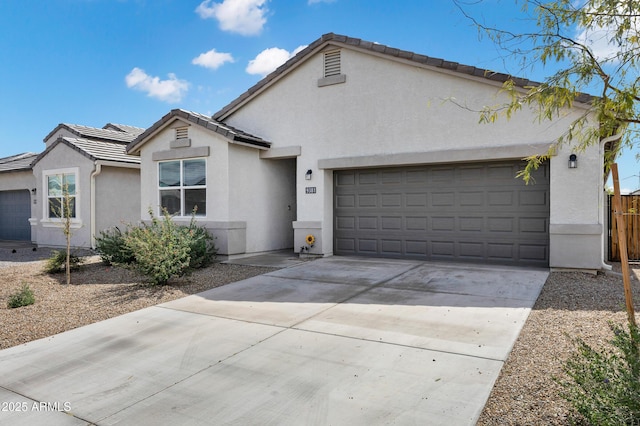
{"points": [[117, 197], [217, 171], [264, 197], [48, 232], [390, 112], [60, 133], [23, 179]]}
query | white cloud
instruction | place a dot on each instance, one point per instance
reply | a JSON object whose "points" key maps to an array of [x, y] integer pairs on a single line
{"points": [[598, 42], [270, 59], [245, 17], [170, 90], [212, 59], [598, 38]]}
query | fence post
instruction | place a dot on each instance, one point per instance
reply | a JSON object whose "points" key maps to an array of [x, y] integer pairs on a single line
{"points": [[622, 243]]}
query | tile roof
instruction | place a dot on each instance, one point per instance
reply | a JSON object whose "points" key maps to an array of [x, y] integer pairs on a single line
{"points": [[94, 133], [95, 150], [17, 162], [342, 40], [124, 128], [229, 132]]}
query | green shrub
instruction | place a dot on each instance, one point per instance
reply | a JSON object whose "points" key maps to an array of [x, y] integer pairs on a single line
{"points": [[604, 385], [112, 247], [164, 250], [203, 250], [23, 297], [56, 263]]}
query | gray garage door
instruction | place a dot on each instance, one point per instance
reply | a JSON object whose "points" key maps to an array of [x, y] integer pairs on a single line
{"points": [[468, 212], [15, 210]]}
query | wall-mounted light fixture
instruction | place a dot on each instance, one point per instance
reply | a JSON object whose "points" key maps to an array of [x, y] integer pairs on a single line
{"points": [[33, 191], [307, 176], [573, 161]]}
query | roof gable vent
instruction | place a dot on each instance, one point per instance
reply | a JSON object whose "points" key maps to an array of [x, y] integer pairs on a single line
{"points": [[332, 73], [182, 137], [332, 63], [182, 132]]}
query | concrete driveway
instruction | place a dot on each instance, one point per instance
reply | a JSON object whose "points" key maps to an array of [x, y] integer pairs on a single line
{"points": [[336, 341]]}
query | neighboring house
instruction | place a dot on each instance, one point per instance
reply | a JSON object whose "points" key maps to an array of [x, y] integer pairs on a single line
{"points": [[102, 180], [377, 151], [17, 185]]}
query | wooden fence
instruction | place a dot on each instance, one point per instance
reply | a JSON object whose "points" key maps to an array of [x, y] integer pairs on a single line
{"points": [[631, 210]]}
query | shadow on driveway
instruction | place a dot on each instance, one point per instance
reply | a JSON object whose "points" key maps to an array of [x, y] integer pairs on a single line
{"points": [[338, 341]]}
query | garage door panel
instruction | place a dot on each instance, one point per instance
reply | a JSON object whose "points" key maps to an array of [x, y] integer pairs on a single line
{"points": [[367, 200], [391, 200], [477, 213], [501, 251], [368, 246], [471, 224], [471, 249], [416, 223], [472, 199], [534, 225], [443, 199], [416, 248], [15, 210], [533, 198], [368, 223], [346, 201], [533, 253], [501, 224]]}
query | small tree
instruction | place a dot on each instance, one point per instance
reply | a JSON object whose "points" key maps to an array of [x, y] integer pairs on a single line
{"points": [[63, 208], [595, 47]]}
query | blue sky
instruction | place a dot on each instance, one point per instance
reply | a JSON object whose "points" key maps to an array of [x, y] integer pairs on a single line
{"points": [[131, 61]]}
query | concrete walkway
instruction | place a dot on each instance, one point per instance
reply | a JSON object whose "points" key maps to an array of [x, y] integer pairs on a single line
{"points": [[336, 341]]}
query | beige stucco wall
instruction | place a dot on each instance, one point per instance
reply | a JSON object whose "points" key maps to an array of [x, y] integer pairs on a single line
{"points": [[263, 195], [247, 197], [118, 202], [23, 179], [117, 198], [49, 232], [391, 112], [60, 133]]}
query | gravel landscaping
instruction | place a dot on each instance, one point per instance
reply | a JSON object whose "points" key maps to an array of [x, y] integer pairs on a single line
{"points": [[571, 305], [97, 292]]}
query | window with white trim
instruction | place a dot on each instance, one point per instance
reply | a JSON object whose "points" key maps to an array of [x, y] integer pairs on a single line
{"points": [[61, 194], [182, 186]]}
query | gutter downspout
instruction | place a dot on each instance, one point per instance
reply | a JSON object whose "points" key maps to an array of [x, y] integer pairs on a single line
{"points": [[96, 171], [606, 267]]}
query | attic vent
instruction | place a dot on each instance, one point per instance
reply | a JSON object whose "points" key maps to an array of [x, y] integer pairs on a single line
{"points": [[182, 132], [332, 63]]}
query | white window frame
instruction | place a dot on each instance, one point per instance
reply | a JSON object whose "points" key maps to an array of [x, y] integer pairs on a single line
{"points": [[76, 222], [181, 187]]}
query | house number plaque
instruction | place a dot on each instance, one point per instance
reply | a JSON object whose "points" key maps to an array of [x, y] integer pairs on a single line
{"points": [[310, 190]]}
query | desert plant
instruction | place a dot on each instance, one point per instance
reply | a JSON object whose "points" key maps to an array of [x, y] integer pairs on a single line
{"points": [[23, 297], [161, 250], [112, 247], [604, 385], [62, 261], [203, 250]]}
